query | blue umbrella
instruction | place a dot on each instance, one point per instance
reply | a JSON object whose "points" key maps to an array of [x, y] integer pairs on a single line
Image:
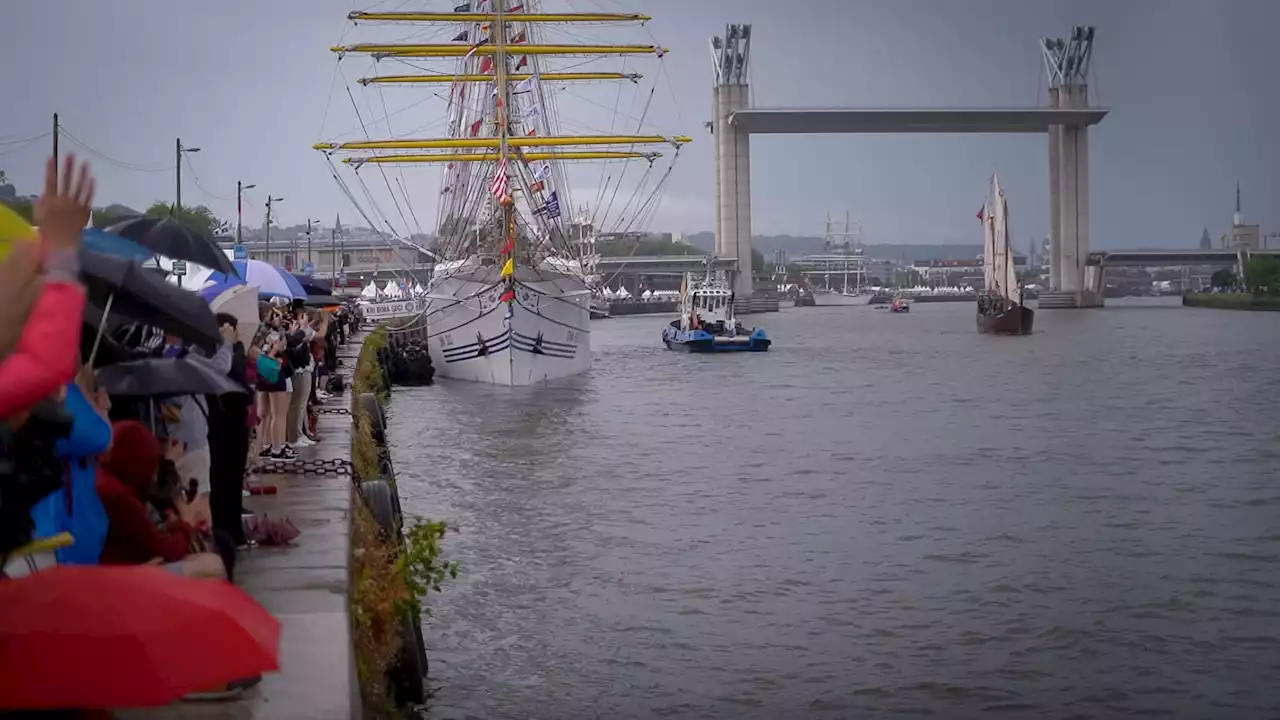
{"points": [[271, 280], [109, 243]]}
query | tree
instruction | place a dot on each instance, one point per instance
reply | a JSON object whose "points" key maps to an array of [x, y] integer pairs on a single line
{"points": [[757, 261], [1223, 278], [198, 217], [1262, 275]]}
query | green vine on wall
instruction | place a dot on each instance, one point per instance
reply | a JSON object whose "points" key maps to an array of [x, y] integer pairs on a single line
{"points": [[390, 576]]}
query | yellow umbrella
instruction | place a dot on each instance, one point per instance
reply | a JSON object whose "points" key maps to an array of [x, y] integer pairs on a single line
{"points": [[12, 229]]}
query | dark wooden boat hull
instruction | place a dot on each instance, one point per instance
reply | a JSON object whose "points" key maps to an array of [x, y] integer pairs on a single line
{"points": [[1017, 320]]}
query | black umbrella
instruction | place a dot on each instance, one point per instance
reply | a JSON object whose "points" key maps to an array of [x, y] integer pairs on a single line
{"points": [[172, 239], [138, 294], [313, 286], [158, 377]]}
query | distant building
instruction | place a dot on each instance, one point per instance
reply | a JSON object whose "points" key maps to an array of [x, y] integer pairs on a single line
{"points": [[1206, 243], [1242, 236]]}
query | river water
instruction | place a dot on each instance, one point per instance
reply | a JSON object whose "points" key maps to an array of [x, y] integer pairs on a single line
{"points": [[886, 515]]}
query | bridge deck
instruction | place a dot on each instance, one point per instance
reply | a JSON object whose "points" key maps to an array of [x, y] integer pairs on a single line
{"points": [[1117, 258], [886, 121]]}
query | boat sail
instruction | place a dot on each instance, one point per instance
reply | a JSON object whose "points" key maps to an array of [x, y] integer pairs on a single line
{"points": [[1000, 307], [511, 296]]}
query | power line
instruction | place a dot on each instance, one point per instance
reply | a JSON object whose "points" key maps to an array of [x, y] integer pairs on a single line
{"points": [[63, 132], [24, 141], [196, 177]]}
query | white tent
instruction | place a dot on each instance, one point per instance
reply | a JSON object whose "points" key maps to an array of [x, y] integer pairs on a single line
{"points": [[370, 291]]}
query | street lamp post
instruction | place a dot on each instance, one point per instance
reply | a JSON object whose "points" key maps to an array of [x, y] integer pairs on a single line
{"points": [[270, 202], [310, 261], [240, 188], [177, 166]]}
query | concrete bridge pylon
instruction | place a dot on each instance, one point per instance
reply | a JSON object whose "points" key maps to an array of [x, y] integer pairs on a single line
{"points": [[730, 94]]}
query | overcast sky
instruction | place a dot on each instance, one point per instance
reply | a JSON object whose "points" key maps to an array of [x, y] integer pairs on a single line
{"points": [[1192, 86]]}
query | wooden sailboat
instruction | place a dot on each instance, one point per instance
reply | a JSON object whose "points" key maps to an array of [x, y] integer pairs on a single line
{"points": [[1000, 307], [511, 297]]}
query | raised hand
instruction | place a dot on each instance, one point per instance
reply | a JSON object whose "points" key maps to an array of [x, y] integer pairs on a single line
{"points": [[62, 212]]}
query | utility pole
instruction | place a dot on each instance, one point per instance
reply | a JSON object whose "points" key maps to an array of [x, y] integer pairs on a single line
{"points": [[333, 254], [270, 200], [240, 188], [55, 147], [177, 166], [309, 247]]}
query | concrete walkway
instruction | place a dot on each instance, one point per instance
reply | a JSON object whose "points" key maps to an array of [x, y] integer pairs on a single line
{"points": [[304, 585]]}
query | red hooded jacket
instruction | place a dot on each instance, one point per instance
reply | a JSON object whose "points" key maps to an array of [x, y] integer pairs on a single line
{"points": [[126, 473]]}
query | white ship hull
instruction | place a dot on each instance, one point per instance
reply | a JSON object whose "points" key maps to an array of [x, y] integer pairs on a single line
{"points": [[546, 336], [824, 299]]}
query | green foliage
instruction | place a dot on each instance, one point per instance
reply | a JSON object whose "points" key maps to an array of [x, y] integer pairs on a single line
{"points": [[1232, 301], [1223, 278], [625, 248], [422, 563], [757, 261], [198, 216], [1262, 275], [390, 576], [378, 591]]}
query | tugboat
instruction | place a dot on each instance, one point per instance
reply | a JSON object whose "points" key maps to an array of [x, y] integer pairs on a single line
{"points": [[706, 322], [899, 306], [1000, 309]]}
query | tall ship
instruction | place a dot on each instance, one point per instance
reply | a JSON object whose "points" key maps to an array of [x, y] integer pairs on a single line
{"points": [[1000, 307], [513, 286], [842, 257]]}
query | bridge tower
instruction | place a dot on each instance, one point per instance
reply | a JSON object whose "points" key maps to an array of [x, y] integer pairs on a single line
{"points": [[1072, 282], [729, 55]]}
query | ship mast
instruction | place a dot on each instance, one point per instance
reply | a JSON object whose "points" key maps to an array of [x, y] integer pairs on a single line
{"points": [[511, 151], [499, 32]]}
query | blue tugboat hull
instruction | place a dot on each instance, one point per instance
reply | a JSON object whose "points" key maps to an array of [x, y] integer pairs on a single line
{"points": [[699, 341]]}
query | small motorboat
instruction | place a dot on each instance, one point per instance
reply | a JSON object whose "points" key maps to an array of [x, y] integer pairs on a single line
{"points": [[899, 306]]}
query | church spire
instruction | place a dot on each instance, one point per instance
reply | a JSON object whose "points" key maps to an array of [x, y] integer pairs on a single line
{"points": [[1237, 196]]}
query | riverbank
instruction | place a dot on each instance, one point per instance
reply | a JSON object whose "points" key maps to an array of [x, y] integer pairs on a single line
{"points": [[1231, 301]]}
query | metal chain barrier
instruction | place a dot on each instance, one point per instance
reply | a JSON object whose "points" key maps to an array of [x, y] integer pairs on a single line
{"points": [[298, 466]]}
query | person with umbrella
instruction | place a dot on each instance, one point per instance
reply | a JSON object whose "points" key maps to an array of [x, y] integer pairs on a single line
{"points": [[188, 417], [229, 444]]}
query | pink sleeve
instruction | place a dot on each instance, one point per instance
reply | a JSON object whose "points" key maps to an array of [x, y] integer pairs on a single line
{"points": [[47, 354]]}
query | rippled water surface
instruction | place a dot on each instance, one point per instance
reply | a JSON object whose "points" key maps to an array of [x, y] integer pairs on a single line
{"points": [[886, 515]]}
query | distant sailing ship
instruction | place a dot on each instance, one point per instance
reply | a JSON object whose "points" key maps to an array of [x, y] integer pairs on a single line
{"points": [[512, 293], [1000, 308], [843, 248]]}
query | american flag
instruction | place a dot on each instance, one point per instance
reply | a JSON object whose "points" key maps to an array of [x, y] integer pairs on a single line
{"points": [[499, 186]]}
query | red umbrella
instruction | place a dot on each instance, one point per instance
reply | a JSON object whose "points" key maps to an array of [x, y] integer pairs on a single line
{"points": [[120, 637]]}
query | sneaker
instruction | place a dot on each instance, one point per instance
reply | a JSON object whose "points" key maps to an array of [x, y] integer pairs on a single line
{"points": [[266, 451], [305, 441]]}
